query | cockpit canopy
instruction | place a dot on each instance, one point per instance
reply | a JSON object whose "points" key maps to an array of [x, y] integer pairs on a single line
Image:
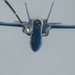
{"points": [[37, 23]]}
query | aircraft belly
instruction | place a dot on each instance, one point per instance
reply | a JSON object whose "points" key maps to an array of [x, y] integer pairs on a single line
{"points": [[36, 40]]}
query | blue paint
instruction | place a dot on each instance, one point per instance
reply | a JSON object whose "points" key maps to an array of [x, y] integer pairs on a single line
{"points": [[36, 37], [39, 27]]}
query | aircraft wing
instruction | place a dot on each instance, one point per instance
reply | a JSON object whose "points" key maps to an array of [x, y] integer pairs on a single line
{"points": [[10, 24], [61, 26]]}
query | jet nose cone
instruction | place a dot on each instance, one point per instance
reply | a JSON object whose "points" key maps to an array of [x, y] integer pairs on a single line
{"points": [[35, 46], [35, 49]]}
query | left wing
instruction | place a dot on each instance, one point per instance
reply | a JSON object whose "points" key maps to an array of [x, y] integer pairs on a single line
{"points": [[60, 26], [50, 26], [10, 24]]}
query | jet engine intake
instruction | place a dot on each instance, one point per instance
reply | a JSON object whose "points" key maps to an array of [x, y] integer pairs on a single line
{"points": [[27, 28], [46, 34]]}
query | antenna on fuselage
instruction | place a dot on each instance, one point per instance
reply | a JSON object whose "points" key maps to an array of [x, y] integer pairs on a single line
{"points": [[27, 11], [50, 11]]}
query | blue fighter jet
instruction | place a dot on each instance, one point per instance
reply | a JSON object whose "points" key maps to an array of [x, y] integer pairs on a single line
{"points": [[35, 28]]}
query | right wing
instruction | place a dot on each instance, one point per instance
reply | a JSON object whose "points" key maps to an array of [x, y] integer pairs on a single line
{"points": [[10, 24]]}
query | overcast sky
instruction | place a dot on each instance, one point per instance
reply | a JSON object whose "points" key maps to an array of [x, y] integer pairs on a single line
{"points": [[57, 54]]}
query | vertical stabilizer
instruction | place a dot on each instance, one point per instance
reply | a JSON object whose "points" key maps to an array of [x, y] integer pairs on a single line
{"points": [[50, 11], [27, 11]]}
